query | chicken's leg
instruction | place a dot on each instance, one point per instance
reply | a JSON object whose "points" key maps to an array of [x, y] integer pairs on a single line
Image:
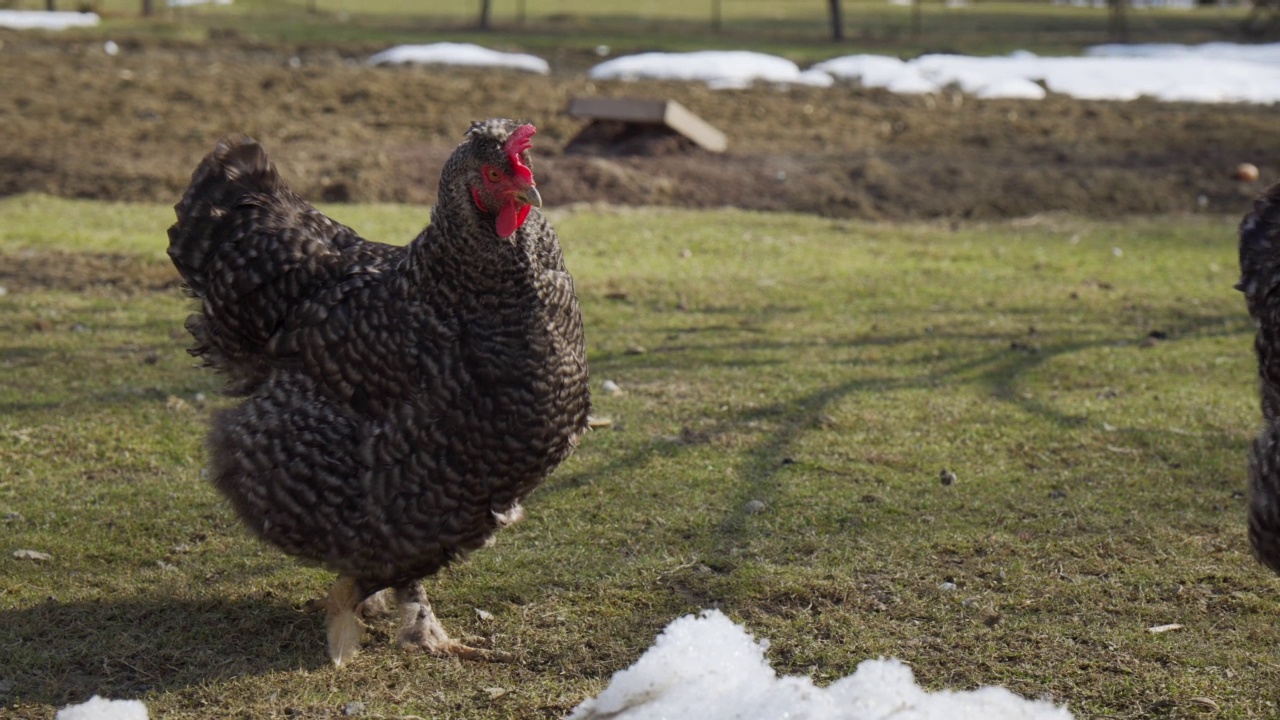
{"points": [[421, 630], [374, 606], [340, 619]]}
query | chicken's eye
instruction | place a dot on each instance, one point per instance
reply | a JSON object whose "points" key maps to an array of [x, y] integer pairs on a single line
{"points": [[493, 174]]}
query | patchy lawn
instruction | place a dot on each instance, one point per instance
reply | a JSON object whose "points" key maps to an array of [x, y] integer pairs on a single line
{"points": [[792, 390]]}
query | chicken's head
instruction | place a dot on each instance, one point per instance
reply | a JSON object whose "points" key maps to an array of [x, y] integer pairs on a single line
{"points": [[498, 175]]}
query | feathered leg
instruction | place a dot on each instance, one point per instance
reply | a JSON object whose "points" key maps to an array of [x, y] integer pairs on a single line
{"points": [[513, 515], [340, 619], [421, 630], [375, 605]]}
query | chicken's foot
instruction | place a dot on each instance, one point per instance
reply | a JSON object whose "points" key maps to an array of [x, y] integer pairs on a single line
{"points": [[421, 630]]}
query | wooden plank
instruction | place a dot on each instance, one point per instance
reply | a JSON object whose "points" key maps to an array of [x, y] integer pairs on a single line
{"points": [[680, 119], [624, 109], [652, 112]]}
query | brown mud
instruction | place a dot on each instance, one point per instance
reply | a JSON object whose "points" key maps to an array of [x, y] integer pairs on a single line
{"points": [[79, 123]]}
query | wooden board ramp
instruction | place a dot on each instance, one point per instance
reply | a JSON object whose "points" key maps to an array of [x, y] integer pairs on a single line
{"points": [[627, 118]]}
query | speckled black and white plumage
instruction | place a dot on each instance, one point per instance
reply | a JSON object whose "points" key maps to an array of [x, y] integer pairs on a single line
{"points": [[399, 402], [1260, 283]]}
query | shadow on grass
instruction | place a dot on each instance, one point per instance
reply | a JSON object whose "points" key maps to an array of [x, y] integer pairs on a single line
{"points": [[57, 653], [1000, 372], [143, 395]]}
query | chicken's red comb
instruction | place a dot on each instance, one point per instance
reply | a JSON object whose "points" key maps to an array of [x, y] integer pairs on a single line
{"points": [[519, 140], [518, 143]]}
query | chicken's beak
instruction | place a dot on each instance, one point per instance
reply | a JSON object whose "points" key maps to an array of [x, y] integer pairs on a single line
{"points": [[530, 196]]}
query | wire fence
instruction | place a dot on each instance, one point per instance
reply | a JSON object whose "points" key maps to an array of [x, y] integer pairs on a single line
{"points": [[857, 19]]}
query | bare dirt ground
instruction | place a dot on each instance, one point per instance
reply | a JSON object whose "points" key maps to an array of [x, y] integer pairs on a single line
{"points": [[79, 123]]}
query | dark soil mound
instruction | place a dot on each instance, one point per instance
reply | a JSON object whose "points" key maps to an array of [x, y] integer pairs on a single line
{"points": [[79, 123]]}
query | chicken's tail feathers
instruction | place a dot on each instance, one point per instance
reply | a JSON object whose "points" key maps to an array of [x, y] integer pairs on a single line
{"points": [[238, 168]]}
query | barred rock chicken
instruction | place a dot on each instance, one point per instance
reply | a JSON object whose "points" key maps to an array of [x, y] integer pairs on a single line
{"points": [[1260, 283], [399, 401]]}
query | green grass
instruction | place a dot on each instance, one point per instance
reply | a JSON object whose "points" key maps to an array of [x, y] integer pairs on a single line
{"points": [[554, 28], [829, 370]]}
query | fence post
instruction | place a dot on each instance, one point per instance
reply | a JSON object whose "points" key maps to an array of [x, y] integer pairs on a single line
{"points": [[837, 23], [1119, 20]]}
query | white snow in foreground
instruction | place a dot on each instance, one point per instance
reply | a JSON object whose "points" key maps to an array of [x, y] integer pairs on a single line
{"points": [[1215, 72], [709, 668], [717, 68], [459, 54], [42, 20], [97, 708]]}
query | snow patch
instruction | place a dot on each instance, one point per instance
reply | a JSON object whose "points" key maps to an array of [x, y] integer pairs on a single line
{"points": [[42, 20], [99, 708], [1016, 88], [1268, 54], [1215, 72], [459, 54], [717, 68], [1212, 73], [872, 70], [710, 668]]}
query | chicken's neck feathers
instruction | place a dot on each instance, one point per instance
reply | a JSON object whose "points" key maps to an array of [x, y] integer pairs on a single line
{"points": [[459, 251]]}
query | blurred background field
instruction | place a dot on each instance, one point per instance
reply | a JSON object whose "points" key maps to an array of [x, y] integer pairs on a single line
{"points": [[800, 29]]}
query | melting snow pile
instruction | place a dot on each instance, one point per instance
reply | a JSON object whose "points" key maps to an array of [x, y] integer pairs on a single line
{"points": [[717, 68], [97, 708], [707, 667], [1164, 72], [459, 54], [41, 20], [1261, 54], [980, 76], [1215, 72]]}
